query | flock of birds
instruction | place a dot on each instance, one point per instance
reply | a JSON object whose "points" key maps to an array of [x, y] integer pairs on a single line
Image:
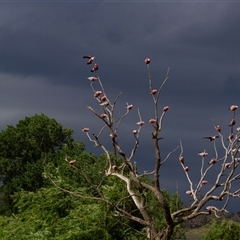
{"points": [[90, 60], [214, 160]]}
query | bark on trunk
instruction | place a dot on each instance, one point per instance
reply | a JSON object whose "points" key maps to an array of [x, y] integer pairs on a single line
{"points": [[164, 235]]}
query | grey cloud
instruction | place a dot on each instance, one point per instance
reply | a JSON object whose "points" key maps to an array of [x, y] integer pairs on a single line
{"points": [[42, 69]]}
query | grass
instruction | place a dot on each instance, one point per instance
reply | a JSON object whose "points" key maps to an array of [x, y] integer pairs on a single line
{"points": [[195, 233]]}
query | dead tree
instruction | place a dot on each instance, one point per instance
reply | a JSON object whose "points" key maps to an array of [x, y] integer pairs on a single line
{"points": [[126, 171]]}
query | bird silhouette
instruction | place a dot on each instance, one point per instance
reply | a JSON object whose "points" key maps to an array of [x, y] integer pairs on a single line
{"points": [[90, 59], [211, 138]]}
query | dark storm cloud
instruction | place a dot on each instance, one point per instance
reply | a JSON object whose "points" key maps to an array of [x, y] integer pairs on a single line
{"points": [[41, 42], [42, 69]]}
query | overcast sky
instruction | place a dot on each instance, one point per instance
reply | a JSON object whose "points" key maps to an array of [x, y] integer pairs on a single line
{"points": [[42, 70]]}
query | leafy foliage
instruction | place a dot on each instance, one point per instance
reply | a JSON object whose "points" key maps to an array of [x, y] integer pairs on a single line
{"points": [[22, 150], [226, 229], [53, 214], [87, 172], [42, 211]]}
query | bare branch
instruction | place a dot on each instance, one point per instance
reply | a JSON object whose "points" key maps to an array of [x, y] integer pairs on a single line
{"points": [[169, 154]]}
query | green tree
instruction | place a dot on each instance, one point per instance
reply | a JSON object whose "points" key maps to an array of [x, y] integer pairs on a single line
{"points": [[22, 151], [85, 179], [52, 214], [225, 229]]}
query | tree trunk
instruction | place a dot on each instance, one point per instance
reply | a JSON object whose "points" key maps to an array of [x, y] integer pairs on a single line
{"points": [[164, 235]]}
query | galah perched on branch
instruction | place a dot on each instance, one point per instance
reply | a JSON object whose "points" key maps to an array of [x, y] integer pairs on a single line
{"points": [[140, 123], [165, 108], [147, 60], [233, 108], [211, 208], [92, 79], [181, 159], [129, 106], [235, 150], [113, 135], [152, 120], [189, 192], [227, 165], [85, 129], [90, 59], [95, 68], [134, 132], [115, 168], [103, 98], [72, 162], [218, 128], [230, 137], [103, 115], [232, 123], [97, 94], [237, 160], [212, 161], [104, 101], [204, 182], [203, 154], [154, 91], [211, 138]]}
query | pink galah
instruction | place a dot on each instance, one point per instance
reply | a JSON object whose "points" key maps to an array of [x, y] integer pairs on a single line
{"points": [[230, 137], [115, 168], [181, 159], [85, 129], [204, 182], [233, 108], [97, 94], [103, 98], [154, 91], [92, 79], [140, 123], [235, 150], [95, 68], [113, 135], [203, 154], [237, 160], [232, 123], [129, 106], [103, 115], [189, 192], [186, 169], [152, 120], [227, 165], [211, 208], [147, 60], [72, 162], [212, 161], [90, 59], [165, 108], [211, 138], [218, 128], [134, 132]]}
